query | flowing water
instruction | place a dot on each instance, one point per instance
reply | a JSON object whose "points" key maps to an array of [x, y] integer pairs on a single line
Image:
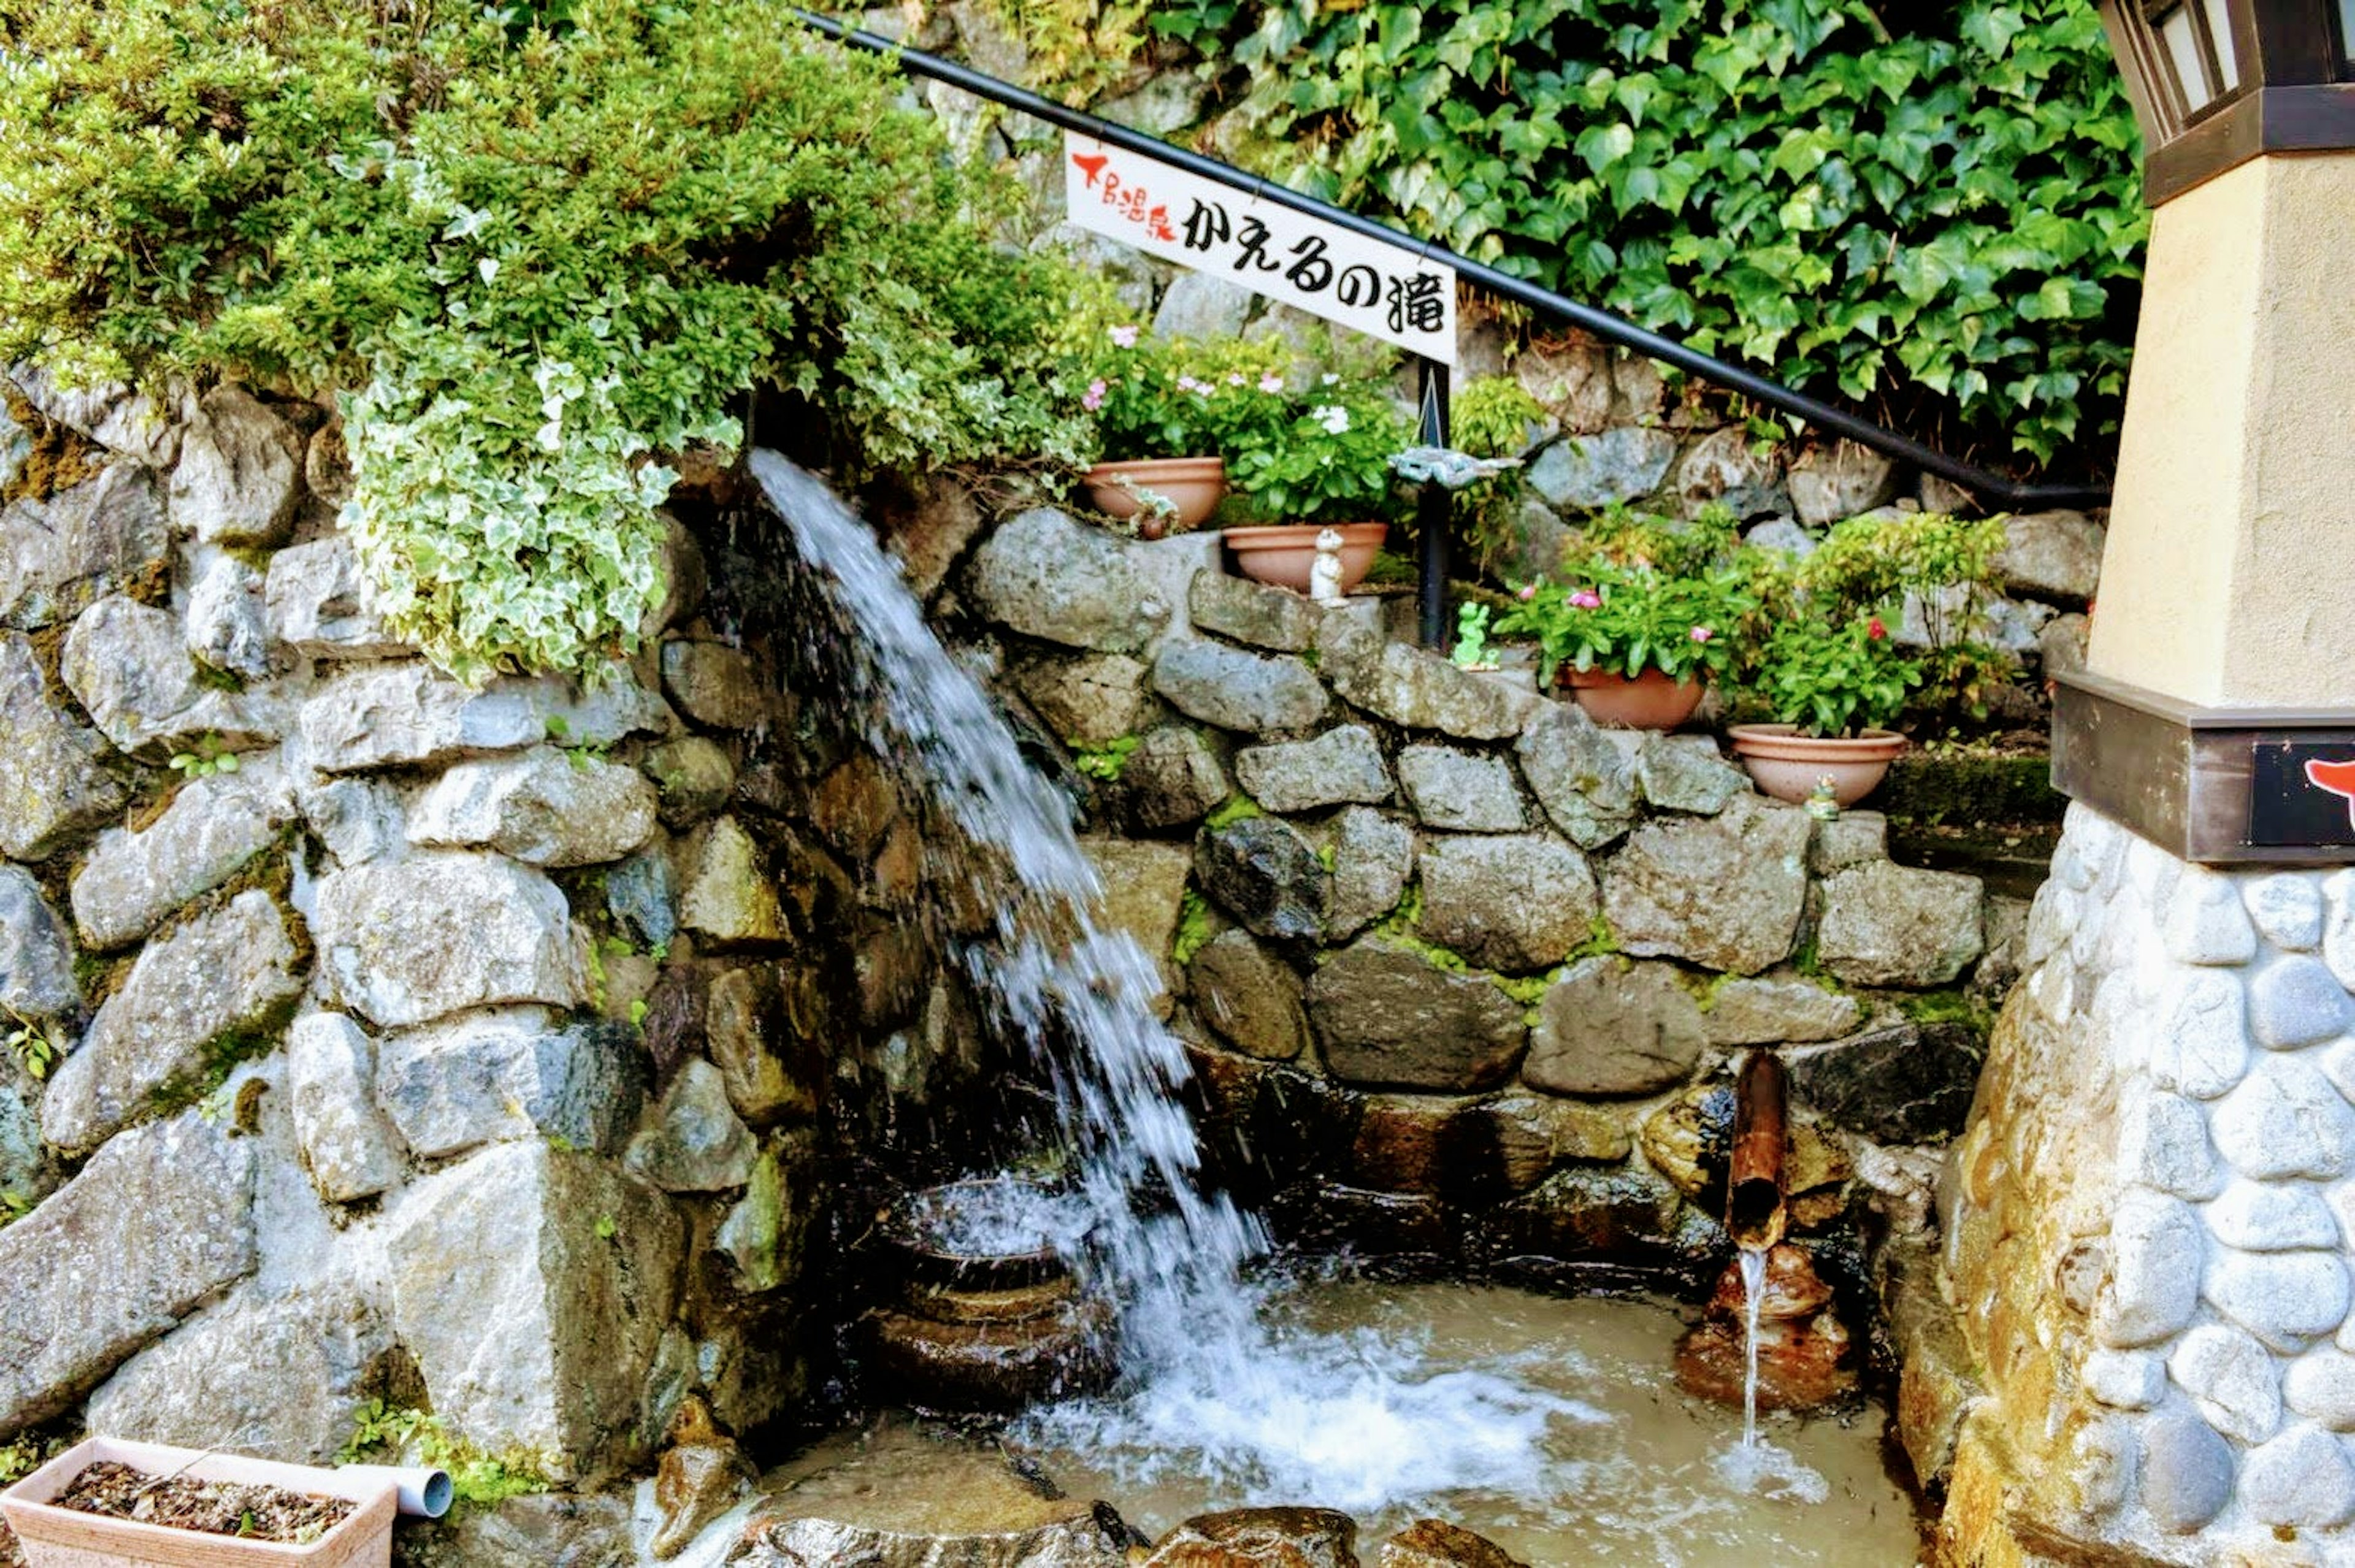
{"points": [[1226, 1381]]}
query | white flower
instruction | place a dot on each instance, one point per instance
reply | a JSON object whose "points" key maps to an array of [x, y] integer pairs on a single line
{"points": [[1329, 378], [1333, 417]]}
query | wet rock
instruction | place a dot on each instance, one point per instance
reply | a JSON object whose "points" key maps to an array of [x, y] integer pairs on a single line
{"points": [[1688, 1139], [1518, 903], [278, 1377], [1622, 1216], [36, 958], [1373, 856], [541, 807], [1341, 766], [1886, 924], [1772, 1009], [1806, 1358], [1073, 1538], [513, 1072], [169, 1208], [1260, 1538], [1267, 875], [241, 473], [770, 1069], [2051, 555], [1684, 773], [61, 555], [1840, 480], [410, 714], [1461, 790], [701, 1475], [1174, 777], [317, 606], [532, 1286], [1238, 690], [51, 783], [1611, 1027], [1724, 891], [1409, 1142], [1585, 783], [347, 1145], [975, 1367], [1417, 689], [2187, 1472], [1088, 699], [1254, 612], [1520, 1137], [855, 805], [1389, 1018], [693, 779], [1252, 997], [226, 630], [1144, 890], [1435, 1544], [214, 826], [129, 666], [762, 1234], [1045, 576], [696, 1142], [213, 992], [1727, 467], [726, 896], [1584, 472], [1904, 1084], [716, 684], [406, 941]]}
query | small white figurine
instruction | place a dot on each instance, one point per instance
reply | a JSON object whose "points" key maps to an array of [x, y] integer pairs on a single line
{"points": [[1325, 576]]}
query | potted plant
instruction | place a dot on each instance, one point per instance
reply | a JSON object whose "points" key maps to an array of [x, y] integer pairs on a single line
{"points": [[115, 1501], [1832, 685], [1324, 463], [1168, 412]]}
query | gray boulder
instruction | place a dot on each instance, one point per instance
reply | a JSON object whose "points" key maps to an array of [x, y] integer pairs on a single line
{"points": [[1250, 996], [1088, 699], [1238, 690], [1202, 305], [1724, 892], [129, 666], [156, 1224], [1886, 924], [1518, 903], [1373, 856], [1839, 480], [61, 555], [1389, 1018], [132, 882], [1905, 1084], [1466, 791], [1342, 765], [15, 444], [2052, 555], [695, 1141], [532, 1286], [141, 427], [241, 473], [276, 1376], [1684, 773], [1417, 689], [1045, 576], [1585, 783], [1774, 1010], [36, 958], [1727, 467], [227, 628], [542, 807], [1253, 613], [411, 715], [1267, 875], [214, 991], [52, 785], [1173, 778], [724, 893], [347, 1145], [405, 942], [1585, 473], [716, 685], [318, 605], [510, 1073], [1608, 1026]]}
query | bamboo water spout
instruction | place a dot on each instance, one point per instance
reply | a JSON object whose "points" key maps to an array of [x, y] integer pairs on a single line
{"points": [[1755, 1212]]}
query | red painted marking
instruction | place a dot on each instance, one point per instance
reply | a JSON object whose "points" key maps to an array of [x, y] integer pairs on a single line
{"points": [[1092, 164], [2338, 778]]}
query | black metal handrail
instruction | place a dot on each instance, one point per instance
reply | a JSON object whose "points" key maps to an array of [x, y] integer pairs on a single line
{"points": [[1987, 487]]}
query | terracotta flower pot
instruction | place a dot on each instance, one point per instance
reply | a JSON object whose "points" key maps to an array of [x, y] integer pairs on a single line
{"points": [[1788, 765], [65, 1537], [1652, 700], [1284, 553], [1193, 486]]}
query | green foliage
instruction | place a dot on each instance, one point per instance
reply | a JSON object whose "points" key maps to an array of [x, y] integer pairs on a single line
{"points": [[1236, 808], [392, 1433], [1105, 762], [32, 1046], [1492, 416], [1627, 619], [1834, 677], [545, 243], [206, 759], [21, 1457], [1195, 929], [1175, 397], [1329, 461], [1945, 221]]}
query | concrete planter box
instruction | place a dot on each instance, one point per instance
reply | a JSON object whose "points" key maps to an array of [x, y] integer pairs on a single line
{"points": [[63, 1538]]}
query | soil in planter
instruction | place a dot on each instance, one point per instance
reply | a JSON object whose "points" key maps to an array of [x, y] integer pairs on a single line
{"points": [[214, 1508]]}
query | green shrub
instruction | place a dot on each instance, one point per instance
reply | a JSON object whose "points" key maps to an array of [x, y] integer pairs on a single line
{"points": [[1944, 225], [537, 245]]}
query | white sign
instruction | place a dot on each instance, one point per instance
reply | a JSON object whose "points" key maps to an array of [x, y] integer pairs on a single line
{"points": [[1390, 292]]}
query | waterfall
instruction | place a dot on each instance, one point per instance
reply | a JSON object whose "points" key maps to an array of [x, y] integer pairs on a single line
{"points": [[1212, 1382]]}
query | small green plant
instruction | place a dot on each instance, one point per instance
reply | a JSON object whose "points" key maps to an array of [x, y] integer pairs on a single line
{"points": [[391, 1433], [1105, 762], [1237, 807], [1831, 678], [13, 1206], [21, 1457], [1625, 619], [1491, 417], [1195, 929], [207, 758], [605, 1228], [31, 1044]]}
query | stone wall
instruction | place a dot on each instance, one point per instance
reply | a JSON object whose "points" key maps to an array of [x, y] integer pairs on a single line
{"points": [[2145, 1226], [1463, 975], [485, 1051]]}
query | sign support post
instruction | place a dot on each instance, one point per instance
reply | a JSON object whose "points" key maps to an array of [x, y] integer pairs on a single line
{"points": [[1435, 512]]}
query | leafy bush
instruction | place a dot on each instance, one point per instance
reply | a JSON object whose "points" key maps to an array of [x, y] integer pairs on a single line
{"points": [[1947, 223], [1329, 461], [1644, 594], [537, 245], [1163, 397], [1831, 675]]}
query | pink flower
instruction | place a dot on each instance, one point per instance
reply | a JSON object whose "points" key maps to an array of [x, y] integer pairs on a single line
{"points": [[1701, 634], [1271, 382], [1235, 379], [1095, 395], [1875, 630], [1586, 599], [1187, 384], [1123, 336], [1528, 592]]}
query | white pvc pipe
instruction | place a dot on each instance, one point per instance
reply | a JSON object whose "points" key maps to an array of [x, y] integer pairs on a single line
{"points": [[424, 1492]]}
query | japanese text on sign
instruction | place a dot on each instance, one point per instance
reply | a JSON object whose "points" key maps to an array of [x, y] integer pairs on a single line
{"points": [[1387, 292]]}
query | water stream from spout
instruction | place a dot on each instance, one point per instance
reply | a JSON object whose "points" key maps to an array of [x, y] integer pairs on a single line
{"points": [[1753, 1290]]}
